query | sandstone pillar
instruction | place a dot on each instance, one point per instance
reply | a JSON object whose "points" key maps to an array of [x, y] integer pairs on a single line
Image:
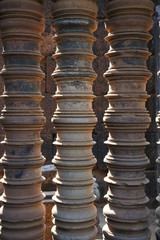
{"points": [[74, 212], [22, 213], [127, 119]]}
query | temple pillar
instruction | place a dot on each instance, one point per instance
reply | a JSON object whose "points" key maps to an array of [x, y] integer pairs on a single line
{"points": [[74, 213], [128, 24], [22, 213]]}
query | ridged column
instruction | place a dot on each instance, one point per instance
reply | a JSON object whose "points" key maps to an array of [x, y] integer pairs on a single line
{"points": [[22, 213], [127, 119], [74, 212]]}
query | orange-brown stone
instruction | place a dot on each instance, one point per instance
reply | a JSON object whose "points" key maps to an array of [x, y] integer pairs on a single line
{"points": [[22, 214], [128, 24]]}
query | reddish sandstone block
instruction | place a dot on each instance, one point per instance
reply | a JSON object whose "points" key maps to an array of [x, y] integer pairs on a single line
{"points": [[48, 47], [50, 84], [100, 85], [48, 105]]}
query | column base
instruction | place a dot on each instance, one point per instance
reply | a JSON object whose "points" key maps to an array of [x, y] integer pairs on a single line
{"points": [[107, 235], [67, 234]]}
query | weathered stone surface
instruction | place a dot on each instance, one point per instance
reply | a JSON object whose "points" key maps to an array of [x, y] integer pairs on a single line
{"points": [[127, 119], [151, 190], [74, 212], [151, 150], [100, 46], [2, 135], [50, 84], [43, 82], [151, 134], [48, 46], [48, 8], [100, 85], [22, 213], [49, 224], [102, 5], [100, 64], [1, 101], [48, 105], [48, 148], [1, 80], [158, 180], [99, 176], [102, 150], [100, 103], [48, 172]]}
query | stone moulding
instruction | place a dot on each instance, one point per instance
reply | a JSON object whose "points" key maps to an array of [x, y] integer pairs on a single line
{"points": [[128, 24], [22, 213], [74, 213]]}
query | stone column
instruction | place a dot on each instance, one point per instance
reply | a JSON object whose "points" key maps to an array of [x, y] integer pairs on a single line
{"points": [[127, 119], [22, 213], [74, 213]]}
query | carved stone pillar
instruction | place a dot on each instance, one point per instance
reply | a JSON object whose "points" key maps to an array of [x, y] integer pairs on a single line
{"points": [[127, 119], [22, 213], [74, 213]]}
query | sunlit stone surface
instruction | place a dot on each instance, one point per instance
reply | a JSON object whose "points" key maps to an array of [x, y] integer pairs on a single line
{"points": [[22, 213], [74, 212], [128, 24]]}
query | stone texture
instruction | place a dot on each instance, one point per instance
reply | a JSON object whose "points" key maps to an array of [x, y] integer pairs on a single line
{"points": [[48, 149], [48, 105], [74, 212], [50, 84], [48, 172], [99, 176], [1, 102], [101, 9], [48, 46], [48, 5], [127, 119], [100, 87], [22, 214], [158, 161], [49, 224], [151, 189]]}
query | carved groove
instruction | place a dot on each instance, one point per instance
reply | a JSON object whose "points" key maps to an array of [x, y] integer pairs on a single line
{"points": [[74, 212], [22, 213], [127, 119]]}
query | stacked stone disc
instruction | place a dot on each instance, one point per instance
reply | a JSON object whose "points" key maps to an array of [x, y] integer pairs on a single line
{"points": [[22, 213], [127, 119], [74, 212]]}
